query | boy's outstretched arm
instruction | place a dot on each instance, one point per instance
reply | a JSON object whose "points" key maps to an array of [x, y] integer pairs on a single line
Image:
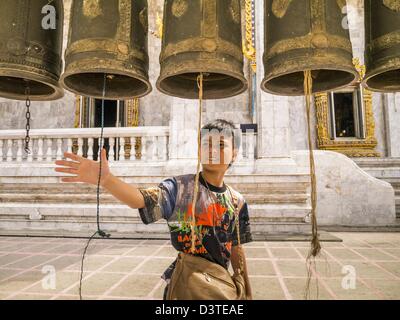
{"points": [[87, 171], [124, 192]]}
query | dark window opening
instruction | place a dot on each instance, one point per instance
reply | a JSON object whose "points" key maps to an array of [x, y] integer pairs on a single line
{"points": [[344, 115], [110, 120]]}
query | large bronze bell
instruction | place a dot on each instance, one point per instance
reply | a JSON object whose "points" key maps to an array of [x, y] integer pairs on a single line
{"points": [[107, 48], [382, 41], [30, 49], [306, 35], [202, 36]]}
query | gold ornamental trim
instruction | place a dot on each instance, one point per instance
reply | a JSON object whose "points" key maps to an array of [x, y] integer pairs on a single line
{"points": [[209, 21], [125, 24], [132, 106], [350, 147], [249, 49], [92, 8], [309, 41], [120, 48], [77, 111], [341, 4], [202, 44], [392, 4], [179, 8], [280, 7], [234, 9], [318, 16], [386, 41]]}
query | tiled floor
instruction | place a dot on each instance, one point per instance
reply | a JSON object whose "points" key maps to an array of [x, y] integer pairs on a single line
{"points": [[363, 266]]}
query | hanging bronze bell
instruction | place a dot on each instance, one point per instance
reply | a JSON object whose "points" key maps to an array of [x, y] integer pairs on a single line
{"points": [[107, 49], [31, 34], [382, 42], [306, 35], [202, 36]]}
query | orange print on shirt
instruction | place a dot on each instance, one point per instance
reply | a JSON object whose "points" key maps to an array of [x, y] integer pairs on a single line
{"points": [[205, 218]]}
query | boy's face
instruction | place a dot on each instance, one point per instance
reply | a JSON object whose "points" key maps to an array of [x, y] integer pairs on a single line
{"points": [[216, 151]]}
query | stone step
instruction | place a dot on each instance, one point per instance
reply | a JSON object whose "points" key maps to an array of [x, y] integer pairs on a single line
{"points": [[277, 202], [73, 211], [108, 198], [131, 174], [66, 188], [275, 198], [154, 230]]}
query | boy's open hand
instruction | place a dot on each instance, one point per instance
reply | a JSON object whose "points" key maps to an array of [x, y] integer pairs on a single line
{"points": [[84, 170]]}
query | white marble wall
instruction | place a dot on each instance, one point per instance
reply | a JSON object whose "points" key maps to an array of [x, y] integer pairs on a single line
{"points": [[346, 194], [392, 115]]}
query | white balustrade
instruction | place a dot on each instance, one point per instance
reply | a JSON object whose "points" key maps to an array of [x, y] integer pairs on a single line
{"points": [[121, 149], [90, 148], [47, 145], [40, 150], [30, 154], [49, 149], [19, 150], [111, 150]]}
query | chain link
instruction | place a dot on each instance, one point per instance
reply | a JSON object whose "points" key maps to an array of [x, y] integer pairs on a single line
{"points": [[28, 118]]}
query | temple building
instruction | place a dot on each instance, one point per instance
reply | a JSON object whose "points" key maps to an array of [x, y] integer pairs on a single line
{"points": [[355, 135]]}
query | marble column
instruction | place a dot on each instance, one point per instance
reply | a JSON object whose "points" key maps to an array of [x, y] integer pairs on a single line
{"points": [[392, 115], [272, 112], [183, 135]]}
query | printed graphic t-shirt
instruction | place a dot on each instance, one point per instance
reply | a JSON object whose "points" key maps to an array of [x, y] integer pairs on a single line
{"points": [[215, 217]]}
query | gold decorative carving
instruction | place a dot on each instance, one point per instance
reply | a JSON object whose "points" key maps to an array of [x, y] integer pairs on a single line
{"points": [[351, 147], [234, 9], [279, 7], [249, 49], [392, 4], [200, 44], [306, 41], [76, 121], [120, 48], [179, 8], [77, 111], [386, 41], [133, 121], [341, 4], [92, 8], [361, 69]]}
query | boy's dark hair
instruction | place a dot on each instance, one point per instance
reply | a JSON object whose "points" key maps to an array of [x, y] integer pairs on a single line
{"points": [[228, 128]]}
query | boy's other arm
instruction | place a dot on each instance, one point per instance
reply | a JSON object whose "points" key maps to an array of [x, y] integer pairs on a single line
{"points": [[235, 260]]}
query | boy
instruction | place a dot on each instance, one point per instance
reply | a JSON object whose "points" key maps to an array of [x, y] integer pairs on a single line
{"points": [[171, 199]]}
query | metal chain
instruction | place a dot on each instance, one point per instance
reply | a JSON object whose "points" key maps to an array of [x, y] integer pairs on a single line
{"points": [[28, 118]]}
